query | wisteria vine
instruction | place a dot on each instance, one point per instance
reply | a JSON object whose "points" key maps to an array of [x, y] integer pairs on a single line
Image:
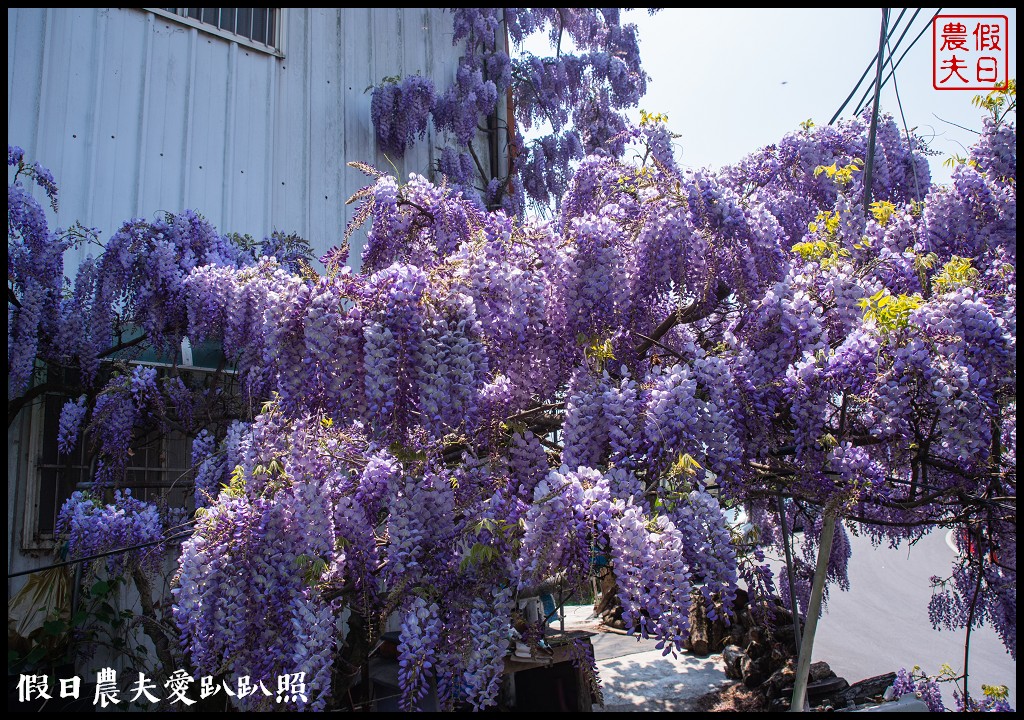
{"points": [[492, 402]]}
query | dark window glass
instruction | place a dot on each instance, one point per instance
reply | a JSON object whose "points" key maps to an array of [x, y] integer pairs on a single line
{"points": [[227, 18], [244, 22], [258, 24]]}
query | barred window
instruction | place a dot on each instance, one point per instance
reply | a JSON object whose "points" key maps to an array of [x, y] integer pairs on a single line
{"points": [[158, 470], [259, 26]]}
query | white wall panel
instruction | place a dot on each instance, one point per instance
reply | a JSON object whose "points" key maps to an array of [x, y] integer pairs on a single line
{"points": [[136, 114]]}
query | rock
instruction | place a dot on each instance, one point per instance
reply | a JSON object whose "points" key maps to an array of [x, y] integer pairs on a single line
{"points": [[864, 691], [783, 677], [819, 671], [782, 616], [613, 622], [707, 635], [733, 656], [716, 639], [826, 689], [755, 672], [737, 636], [784, 635], [699, 646], [699, 641], [755, 649]]}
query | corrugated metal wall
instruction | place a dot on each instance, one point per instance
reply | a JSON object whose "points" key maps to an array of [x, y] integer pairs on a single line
{"points": [[136, 114]]}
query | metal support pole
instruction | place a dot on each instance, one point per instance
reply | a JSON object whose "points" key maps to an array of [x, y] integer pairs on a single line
{"points": [[789, 571], [828, 529], [869, 167]]}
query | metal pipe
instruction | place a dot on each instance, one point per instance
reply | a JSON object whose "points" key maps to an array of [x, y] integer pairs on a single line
{"points": [[789, 571], [869, 167], [828, 529]]}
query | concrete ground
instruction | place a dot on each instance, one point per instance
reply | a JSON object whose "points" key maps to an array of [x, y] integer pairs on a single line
{"points": [[637, 677]]}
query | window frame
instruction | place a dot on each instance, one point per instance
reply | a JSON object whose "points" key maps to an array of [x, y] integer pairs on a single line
{"points": [[33, 538], [277, 49]]}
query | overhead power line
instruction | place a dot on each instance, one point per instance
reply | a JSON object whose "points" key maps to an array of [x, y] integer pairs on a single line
{"points": [[870, 65], [864, 99], [89, 558], [910, 141]]}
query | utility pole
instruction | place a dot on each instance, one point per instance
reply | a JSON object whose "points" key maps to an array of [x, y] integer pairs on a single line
{"points": [[869, 167]]}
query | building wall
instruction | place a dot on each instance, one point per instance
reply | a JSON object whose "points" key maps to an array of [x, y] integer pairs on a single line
{"points": [[136, 114]]}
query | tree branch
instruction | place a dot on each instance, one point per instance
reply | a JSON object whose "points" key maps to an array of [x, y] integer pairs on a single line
{"points": [[123, 346], [691, 313]]}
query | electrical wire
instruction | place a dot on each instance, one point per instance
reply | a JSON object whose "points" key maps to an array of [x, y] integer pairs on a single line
{"points": [[870, 64], [864, 99], [87, 558], [910, 141]]}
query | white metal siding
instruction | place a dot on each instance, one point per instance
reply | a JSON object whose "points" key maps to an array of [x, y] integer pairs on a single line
{"points": [[136, 114]]}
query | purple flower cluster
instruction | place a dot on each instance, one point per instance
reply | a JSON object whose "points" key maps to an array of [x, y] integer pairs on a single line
{"points": [[247, 600], [708, 549], [91, 527], [400, 112], [920, 685], [557, 530], [35, 269], [420, 636], [71, 417], [580, 95], [490, 623], [652, 574]]}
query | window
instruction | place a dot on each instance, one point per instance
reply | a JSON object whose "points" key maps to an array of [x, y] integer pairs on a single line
{"points": [[159, 471], [254, 27]]}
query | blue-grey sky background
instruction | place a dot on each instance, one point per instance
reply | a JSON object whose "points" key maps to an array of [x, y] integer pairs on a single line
{"points": [[734, 80]]}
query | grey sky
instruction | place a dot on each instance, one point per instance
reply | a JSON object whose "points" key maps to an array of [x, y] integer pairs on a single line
{"points": [[733, 80]]}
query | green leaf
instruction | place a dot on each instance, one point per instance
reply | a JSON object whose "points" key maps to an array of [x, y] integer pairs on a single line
{"points": [[55, 627], [996, 692], [100, 589]]}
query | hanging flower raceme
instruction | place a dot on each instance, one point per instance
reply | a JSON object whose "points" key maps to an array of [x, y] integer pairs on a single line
{"points": [[400, 112], [91, 527]]}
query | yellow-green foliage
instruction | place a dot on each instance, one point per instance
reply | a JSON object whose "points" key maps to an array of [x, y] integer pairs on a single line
{"points": [[841, 175], [827, 222], [823, 251], [996, 692], [641, 177], [685, 465], [826, 249], [954, 160], [597, 350], [956, 273], [890, 312], [998, 98], [647, 118], [882, 210], [236, 486]]}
